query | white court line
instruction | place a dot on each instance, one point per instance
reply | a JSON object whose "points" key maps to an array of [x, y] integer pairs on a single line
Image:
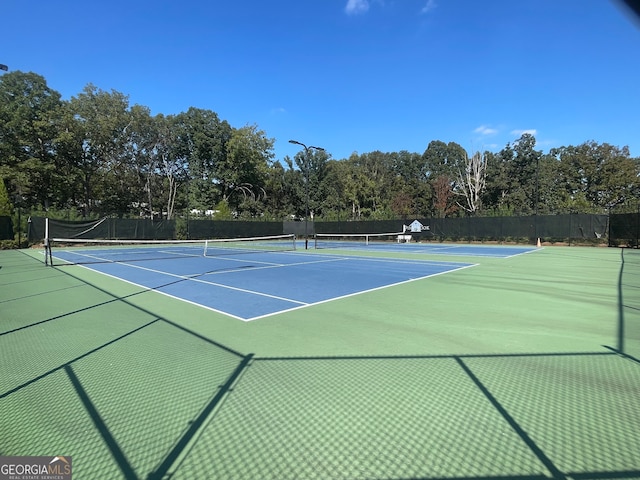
{"points": [[271, 265], [151, 289], [115, 260], [357, 293], [407, 261], [524, 253], [288, 300], [228, 287], [450, 250], [266, 265]]}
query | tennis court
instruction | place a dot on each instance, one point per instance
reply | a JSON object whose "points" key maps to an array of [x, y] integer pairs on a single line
{"points": [[398, 364], [245, 283]]}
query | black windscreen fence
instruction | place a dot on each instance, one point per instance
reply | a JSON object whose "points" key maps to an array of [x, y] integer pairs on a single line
{"points": [[145, 229], [624, 230], [372, 226], [204, 229], [618, 229], [554, 228], [104, 228], [6, 228]]}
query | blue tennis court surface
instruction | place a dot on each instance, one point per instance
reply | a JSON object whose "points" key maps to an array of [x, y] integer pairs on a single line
{"points": [[249, 286], [494, 251]]}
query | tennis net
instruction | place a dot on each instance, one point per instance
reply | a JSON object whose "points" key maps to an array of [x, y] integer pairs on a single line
{"points": [[350, 240], [65, 251]]}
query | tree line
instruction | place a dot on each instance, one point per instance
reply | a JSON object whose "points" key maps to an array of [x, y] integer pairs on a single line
{"points": [[97, 155]]}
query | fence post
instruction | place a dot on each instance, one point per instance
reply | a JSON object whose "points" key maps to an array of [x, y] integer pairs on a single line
{"points": [[638, 226]]}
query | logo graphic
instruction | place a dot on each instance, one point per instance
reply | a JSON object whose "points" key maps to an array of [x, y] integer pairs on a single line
{"points": [[416, 227], [35, 468]]}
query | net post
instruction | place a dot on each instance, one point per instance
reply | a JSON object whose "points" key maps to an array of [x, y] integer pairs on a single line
{"points": [[46, 253], [47, 250]]}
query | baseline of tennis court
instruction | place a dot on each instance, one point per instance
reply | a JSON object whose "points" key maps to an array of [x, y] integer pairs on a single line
{"points": [[249, 286]]}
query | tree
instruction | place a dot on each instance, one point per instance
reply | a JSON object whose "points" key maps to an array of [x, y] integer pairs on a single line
{"points": [[599, 175], [29, 125], [443, 194], [243, 173], [471, 181], [617, 179], [512, 178], [202, 138], [550, 190], [497, 182], [102, 119], [337, 189], [311, 173], [402, 204], [142, 151], [96, 154], [443, 159], [412, 179], [281, 189], [443, 163], [5, 204], [524, 171], [173, 164]]}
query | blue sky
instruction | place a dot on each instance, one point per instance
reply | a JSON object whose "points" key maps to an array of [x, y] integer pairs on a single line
{"points": [[352, 75]]}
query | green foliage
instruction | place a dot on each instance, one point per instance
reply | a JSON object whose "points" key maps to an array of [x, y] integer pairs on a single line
{"points": [[499, 211], [5, 204], [223, 211], [8, 244], [30, 122], [97, 155], [69, 214], [182, 228]]}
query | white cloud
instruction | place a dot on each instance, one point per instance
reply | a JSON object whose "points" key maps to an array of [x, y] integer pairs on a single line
{"points": [[484, 130], [354, 7], [531, 131], [431, 4]]}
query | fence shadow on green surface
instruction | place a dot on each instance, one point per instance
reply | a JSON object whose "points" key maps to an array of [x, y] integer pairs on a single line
{"points": [[562, 415], [156, 400], [481, 417], [124, 384], [629, 304]]}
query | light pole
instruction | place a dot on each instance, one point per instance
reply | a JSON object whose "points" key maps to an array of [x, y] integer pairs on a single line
{"points": [[306, 187], [537, 195], [3, 67]]}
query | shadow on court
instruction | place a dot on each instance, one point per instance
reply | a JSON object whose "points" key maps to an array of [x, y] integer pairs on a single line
{"points": [[629, 303], [131, 394]]}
